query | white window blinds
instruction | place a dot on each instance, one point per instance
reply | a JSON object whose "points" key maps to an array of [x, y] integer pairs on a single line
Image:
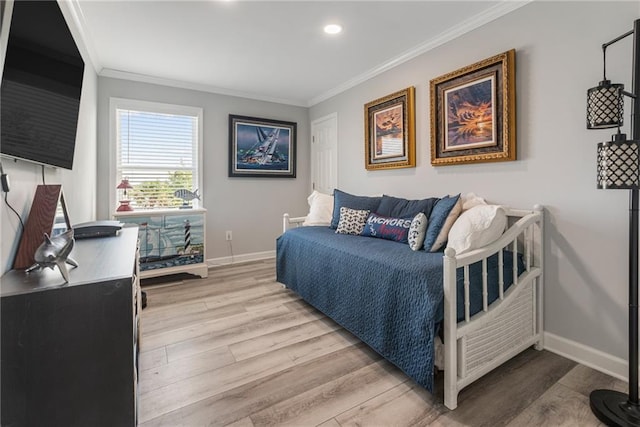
{"points": [[157, 153]]}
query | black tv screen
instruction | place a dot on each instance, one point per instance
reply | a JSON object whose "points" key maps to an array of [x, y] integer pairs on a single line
{"points": [[41, 86]]}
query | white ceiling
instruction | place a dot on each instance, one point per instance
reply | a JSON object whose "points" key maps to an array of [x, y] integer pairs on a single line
{"points": [[269, 50]]}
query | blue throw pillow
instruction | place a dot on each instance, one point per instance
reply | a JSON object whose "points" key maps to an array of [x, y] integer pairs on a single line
{"points": [[384, 227], [400, 208], [342, 199], [442, 217]]}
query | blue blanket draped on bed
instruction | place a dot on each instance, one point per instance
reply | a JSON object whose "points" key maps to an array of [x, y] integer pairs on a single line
{"points": [[387, 295]]}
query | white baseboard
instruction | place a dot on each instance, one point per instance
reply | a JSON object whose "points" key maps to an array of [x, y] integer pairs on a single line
{"points": [[588, 356], [236, 259]]}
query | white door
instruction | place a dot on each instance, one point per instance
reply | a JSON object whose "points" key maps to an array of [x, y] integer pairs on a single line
{"points": [[324, 154]]}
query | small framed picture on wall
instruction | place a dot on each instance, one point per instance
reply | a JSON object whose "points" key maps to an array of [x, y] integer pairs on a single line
{"points": [[389, 128]]}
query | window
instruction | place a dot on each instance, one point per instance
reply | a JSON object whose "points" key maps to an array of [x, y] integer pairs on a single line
{"points": [[157, 150]]}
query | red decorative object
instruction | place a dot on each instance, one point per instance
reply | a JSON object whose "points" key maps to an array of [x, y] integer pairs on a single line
{"points": [[124, 200]]}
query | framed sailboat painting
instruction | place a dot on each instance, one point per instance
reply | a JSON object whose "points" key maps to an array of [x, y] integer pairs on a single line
{"points": [[261, 147]]}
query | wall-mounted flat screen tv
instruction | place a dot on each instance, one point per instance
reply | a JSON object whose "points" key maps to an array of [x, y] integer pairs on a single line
{"points": [[41, 86]]}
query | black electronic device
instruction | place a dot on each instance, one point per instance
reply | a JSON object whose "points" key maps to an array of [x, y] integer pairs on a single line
{"points": [[41, 86], [91, 229]]}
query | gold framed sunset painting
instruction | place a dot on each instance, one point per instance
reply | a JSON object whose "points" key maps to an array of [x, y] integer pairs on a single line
{"points": [[473, 113]]}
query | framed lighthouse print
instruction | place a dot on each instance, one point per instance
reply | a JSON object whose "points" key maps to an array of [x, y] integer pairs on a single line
{"points": [[261, 147]]}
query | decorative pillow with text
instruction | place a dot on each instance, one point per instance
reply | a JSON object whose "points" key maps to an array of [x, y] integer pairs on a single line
{"points": [[384, 227]]}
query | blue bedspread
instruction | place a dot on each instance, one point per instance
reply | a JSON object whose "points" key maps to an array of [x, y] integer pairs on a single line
{"points": [[387, 295]]}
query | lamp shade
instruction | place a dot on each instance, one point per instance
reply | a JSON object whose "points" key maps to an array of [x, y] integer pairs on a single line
{"points": [[618, 164], [124, 185], [605, 105]]}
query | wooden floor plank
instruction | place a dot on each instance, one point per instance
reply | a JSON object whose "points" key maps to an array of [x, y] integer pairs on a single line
{"points": [[524, 379], [558, 406], [239, 349], [229, 406], [584, 380], [240, 296], [154, 314], [319, 404], [152, 378], [330, 423], [230, 335], [153, 358], [245, 422], [190, 390], [279, 296], [406, 404], [169, 320], [172, 336], [324, 344], [281, 338]]}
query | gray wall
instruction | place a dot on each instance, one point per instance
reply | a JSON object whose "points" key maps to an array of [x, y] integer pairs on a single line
{"points": [[250, 207], [78, 185], [558, 57]]}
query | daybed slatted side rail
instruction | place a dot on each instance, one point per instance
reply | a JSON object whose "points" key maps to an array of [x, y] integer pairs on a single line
{"points": [[288, 222], [512, 323]]}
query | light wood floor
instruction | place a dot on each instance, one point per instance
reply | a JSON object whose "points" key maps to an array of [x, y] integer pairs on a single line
{"points": [[237, 348]]}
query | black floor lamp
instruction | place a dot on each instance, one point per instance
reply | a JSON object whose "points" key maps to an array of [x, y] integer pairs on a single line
{"points": [[618, 168]]}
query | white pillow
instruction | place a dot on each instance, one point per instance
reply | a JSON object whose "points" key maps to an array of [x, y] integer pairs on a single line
{"points": [[417, 231], [470, 200], [477, 227], [320, 209]]}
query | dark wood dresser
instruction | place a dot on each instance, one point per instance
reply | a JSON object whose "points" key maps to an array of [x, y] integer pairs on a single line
{"points": [[69, 352]]}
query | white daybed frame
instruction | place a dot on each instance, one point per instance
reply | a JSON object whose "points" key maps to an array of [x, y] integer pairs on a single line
{"points": [[508, 326]]}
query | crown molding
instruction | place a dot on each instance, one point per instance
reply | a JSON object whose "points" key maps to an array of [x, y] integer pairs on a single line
{"points": [[71, 10], [466, 26], [144, 78]]}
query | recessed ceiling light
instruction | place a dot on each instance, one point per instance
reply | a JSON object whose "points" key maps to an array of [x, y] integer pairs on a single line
{"points": [[332, 29]]}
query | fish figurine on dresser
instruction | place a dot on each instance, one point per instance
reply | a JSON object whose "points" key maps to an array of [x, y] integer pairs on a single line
{"points": [[55, 251], [186, 197]]}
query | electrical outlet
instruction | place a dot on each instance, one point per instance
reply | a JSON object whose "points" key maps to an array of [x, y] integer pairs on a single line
{"points": [[228, 235]]}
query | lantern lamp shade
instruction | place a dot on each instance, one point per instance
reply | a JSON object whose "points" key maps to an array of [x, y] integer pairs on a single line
{"points": [[618, 164], [124, 202], [124, 185], [605, 105]]}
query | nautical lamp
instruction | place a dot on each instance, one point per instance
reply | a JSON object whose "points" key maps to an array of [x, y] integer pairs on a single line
{"points": [[122, 196], [618, 168]]}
